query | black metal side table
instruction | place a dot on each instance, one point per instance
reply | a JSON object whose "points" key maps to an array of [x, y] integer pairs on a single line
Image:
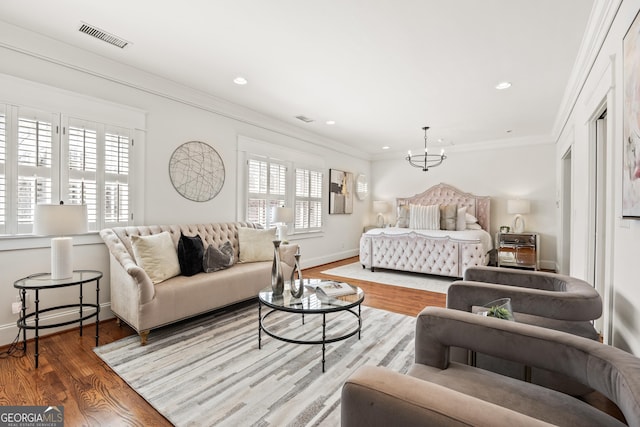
{"points": [[43, 281]]}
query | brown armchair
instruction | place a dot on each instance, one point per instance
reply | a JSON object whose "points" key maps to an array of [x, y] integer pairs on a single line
{"points": [[440, 392]]}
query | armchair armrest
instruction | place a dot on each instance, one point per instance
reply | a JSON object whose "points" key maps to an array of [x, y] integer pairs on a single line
{"points": [[377, 396], [578, 305], [611, 371]]}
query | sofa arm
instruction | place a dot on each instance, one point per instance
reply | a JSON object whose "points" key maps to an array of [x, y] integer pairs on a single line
{"points": [[377, 396], [128, 264]]}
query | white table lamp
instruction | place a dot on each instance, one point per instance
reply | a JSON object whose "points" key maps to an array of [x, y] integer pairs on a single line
{"points": [[381, 207], [518, 207], [282, 216], [61, 221]]}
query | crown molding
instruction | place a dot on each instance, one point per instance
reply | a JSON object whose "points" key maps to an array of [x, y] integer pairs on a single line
{"points": [[600, 21], [38, 46]]}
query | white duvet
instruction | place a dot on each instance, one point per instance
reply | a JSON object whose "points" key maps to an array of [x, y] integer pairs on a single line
{"points": [[465, 235]]}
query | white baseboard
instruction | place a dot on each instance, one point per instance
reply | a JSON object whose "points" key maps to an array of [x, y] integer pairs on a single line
{"points": [[9, 331], [313, 262]]}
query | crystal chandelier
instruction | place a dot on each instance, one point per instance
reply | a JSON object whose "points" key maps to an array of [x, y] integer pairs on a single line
{"points": [[426, 160]]}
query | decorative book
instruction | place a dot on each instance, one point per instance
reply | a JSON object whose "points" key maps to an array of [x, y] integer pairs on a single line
{"points": [[335, 289]]}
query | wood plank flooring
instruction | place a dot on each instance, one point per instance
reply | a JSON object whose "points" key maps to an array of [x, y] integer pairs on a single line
{"points": [[71, 375]]}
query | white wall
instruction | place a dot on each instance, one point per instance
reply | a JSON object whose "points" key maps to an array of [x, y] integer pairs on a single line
{"points": [[602, 84], [174, 115], [510, 169]]}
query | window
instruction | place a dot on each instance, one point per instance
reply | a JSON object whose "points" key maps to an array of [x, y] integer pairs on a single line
{"points": [[45, 158], [267, 188], [308, 200]]}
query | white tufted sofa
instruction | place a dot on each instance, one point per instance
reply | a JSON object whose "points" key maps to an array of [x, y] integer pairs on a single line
{"points": [[145, 306], [443, 254]]}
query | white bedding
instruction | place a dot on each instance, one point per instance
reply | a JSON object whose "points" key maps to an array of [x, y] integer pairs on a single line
{"points": [[465, 235]]}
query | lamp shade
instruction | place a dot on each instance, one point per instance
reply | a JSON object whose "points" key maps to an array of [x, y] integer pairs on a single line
{"points": [[380, 206], [282, 214], [518, 206], [60, 220]]}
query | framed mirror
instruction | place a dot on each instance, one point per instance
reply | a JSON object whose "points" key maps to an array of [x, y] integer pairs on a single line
{"points": [[362, 187]]}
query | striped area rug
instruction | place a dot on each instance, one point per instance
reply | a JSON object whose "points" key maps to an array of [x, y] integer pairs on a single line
{"points": [[209, 371]]}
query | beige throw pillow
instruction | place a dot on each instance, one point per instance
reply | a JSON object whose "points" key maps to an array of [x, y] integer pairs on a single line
{"points": [[256, 244], [424, 217], [156, 255], [448, 215]]}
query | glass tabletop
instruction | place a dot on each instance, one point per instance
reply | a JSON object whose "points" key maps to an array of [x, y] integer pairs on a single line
{"points": [[44, 280], [313, 300]]}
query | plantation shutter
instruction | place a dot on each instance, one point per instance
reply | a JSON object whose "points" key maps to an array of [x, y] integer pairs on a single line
{"points": [[35, 159], [308, 200], [116, 187], [267, 188], [3, 161], [82, 185]]}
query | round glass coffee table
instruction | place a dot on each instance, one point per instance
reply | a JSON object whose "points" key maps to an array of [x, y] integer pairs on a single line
{"points": [[312, 302]]}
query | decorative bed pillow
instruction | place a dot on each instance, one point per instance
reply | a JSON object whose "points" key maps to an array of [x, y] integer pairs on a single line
{"points": [[424, 217], [474, 226], [448, 215], [472, 222], [218, 258], [156, 255], [256, 244], [190, 253], [403, 216], [461, 223]]}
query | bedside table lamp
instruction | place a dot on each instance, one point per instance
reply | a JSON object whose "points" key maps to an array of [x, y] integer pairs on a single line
{"points": [[518, 207], [381, 207], [282, 216], [61, 221]]}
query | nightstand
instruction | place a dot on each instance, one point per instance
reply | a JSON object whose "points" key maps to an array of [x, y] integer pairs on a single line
{"points": [[518, 250]]}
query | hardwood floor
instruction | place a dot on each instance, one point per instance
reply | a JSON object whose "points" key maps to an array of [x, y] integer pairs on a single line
{"points": [[71, 375]]}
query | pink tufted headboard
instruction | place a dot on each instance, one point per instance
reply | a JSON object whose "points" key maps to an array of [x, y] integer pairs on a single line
{"points": [[478, 206]]}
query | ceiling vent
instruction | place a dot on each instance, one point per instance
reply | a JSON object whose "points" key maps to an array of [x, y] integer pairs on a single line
{"points": [[102, 35], [304, 119]]}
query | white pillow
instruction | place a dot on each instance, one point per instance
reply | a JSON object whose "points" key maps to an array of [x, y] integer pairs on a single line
{"points": [[256, 244], [461, 223], [424, 217], [473, 226], [156, 255], [470, 219]]}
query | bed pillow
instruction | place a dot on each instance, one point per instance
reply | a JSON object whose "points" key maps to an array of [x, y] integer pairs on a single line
{"points": [[472, 222], [461, 223], [403, 216], [218, 258], [256, 244], [424, 217], [448, 215], [474, 226], [190, 253], [156, 255]]}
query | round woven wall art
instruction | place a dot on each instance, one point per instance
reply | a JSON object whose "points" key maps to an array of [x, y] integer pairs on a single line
{"points": [[196, 171]]}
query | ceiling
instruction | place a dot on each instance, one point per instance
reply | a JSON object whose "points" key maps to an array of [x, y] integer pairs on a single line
{"points": [[381, 69]]}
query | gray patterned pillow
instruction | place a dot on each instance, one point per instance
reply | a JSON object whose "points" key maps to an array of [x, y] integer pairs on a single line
{"points": [[218, 258]]}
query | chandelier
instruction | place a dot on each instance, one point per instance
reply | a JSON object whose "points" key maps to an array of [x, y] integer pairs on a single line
{"points": [[426, 160]]}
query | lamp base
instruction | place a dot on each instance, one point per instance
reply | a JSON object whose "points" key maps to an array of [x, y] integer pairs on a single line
{"points": [[283, 233], [61, 258], [518, 224]]}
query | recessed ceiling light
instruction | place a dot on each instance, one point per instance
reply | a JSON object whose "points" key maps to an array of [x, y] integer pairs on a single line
{"points": [[386, 147], [503, 85], [330, 122], [240, 80]]}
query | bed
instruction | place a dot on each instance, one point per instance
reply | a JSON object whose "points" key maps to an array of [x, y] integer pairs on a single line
{"points": [[445, 252]]}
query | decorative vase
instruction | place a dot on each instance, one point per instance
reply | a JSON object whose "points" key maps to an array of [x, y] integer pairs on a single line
{"points": [[297, 286], [277, 279], [500, 309]]}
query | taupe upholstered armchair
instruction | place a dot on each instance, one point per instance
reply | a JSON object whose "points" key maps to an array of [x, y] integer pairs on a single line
{"points": [[440, 392], [543, 299]]}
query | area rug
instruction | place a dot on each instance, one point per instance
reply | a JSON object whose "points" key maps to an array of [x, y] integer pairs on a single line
{"points": [[209, 371], [405, 279]]}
